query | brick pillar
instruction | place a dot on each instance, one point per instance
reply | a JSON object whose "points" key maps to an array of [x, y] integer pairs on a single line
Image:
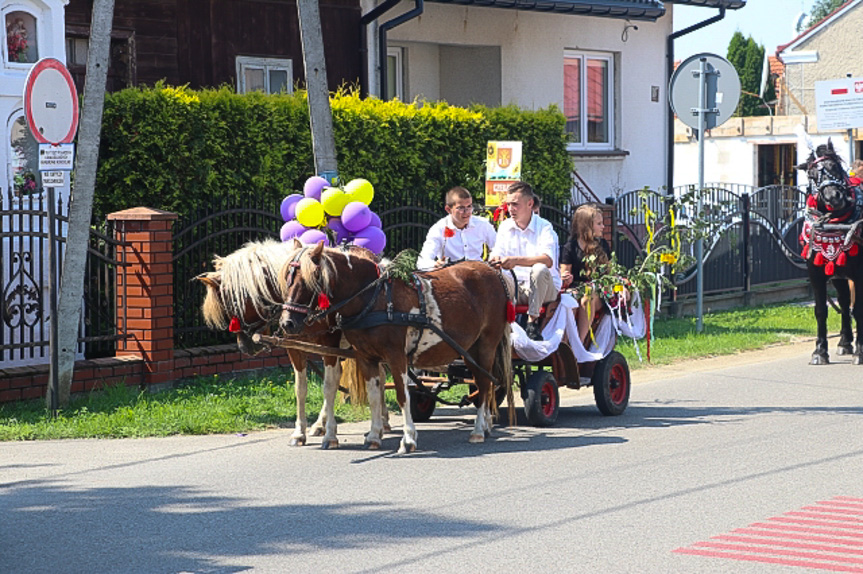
{"points": [[145, 290]]}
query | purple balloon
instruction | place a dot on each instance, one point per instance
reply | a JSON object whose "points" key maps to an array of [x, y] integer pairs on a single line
{"points": [[376, 221], [372, 238], [356, 216], [313, 236], [335, 224], [314, 186], [291, 229], [289, 206]]}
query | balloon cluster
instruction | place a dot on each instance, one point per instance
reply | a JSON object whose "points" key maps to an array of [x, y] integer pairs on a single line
{"points": [[343, 212]]}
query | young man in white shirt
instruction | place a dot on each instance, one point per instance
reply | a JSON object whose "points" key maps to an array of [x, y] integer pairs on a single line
{"points": [[459, 235], [527, 244]]}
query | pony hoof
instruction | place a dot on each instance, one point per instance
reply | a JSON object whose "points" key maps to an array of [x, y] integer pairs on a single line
{"points": [[388, 428], [476, 438], [819, 359], [844, 350], [331, 444], [317, 431], [298, 441], [857, 360], [373, 445], [406, 448]]}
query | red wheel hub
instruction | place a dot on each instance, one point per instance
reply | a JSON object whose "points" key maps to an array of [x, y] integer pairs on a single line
{"points": [[549, 403], [619, 384]]}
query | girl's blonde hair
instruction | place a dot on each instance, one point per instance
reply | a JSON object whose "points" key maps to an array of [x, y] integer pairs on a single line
{"points": [[582, 230]]}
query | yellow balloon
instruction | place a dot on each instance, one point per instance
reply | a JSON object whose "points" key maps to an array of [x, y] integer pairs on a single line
{"points": [[360, 190], [310, 212], [333, 200]]}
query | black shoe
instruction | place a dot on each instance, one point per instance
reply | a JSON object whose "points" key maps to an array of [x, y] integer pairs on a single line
{"points": [[533, 331]]}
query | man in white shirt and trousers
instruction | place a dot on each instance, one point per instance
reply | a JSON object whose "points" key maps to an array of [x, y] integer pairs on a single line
{"points": [[527, 244], [459, 235]]}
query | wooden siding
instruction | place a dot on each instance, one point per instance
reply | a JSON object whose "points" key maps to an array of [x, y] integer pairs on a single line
{"points": [[196, 42]]}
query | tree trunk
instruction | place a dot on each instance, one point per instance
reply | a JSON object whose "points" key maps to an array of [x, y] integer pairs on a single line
{"points": [[81, 202], [320, 115]]}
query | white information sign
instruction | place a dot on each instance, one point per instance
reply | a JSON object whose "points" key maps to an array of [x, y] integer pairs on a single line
{"points": [[53, 178], [839, 104], [56, 157]]}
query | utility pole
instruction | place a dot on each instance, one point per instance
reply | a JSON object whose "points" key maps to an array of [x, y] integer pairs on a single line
{"points": [[320, 115], [81, 203]]}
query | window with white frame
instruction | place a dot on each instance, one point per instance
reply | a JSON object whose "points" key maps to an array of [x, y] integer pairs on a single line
{"points": [[588, 99], [268, 75], [395, 73]]}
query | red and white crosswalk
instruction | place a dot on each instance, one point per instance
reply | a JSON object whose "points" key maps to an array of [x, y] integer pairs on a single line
{"points": [[825, 536]]}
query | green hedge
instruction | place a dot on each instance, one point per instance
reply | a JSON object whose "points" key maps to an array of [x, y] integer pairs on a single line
{"points": [[173, 148]]}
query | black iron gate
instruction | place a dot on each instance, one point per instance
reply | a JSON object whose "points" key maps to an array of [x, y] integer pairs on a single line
{"points": [[756, 242], [25, 228]]}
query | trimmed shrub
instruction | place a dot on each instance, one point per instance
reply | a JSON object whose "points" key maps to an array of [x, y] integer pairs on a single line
{"points": [[174, 148]]}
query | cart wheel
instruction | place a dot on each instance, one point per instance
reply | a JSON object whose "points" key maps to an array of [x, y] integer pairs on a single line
{"points": [[542, 401], [611, 384], [422, 406], [499, 395]]}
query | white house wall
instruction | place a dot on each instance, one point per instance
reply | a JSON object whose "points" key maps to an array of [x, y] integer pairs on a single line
{"points": [[532, 48]]}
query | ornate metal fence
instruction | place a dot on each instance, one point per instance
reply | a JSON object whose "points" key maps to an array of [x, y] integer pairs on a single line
{"points": [[24, 279], [756, 243]]}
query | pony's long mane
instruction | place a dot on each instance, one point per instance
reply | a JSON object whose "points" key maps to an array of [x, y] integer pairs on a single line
{"points": [[248, 276]]}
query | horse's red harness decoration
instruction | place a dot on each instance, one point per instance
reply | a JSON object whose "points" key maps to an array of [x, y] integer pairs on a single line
{"points": [[831, 248]]}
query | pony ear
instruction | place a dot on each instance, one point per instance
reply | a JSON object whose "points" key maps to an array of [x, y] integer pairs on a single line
{"points": [[211, 280], [297, 243], [317, 250], [830, 145]]}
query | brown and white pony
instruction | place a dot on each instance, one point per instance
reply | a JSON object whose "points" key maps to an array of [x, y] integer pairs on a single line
{"points": [[243, 296], [466, 301]]}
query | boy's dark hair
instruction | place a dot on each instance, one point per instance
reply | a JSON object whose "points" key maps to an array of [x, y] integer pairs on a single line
{"points": [[456, 193]]}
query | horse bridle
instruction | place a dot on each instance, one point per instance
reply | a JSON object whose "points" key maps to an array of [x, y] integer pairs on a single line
{"points": [[825, 178], [315, 301]]}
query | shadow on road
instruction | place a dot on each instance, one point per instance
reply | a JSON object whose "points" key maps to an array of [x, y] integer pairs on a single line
{"points": [[178, 529]]}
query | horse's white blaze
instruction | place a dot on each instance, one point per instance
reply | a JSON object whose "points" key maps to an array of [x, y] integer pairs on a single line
{"points": [[429, 338]]}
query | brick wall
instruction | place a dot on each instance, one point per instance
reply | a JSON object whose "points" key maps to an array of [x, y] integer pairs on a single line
{"points": [[146, 356]]}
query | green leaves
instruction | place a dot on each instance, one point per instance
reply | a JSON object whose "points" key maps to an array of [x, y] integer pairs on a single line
{"points": [[172, 148]]}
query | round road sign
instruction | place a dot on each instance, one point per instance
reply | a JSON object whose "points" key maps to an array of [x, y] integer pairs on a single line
{"points": [[723, 90], [51, 102]]}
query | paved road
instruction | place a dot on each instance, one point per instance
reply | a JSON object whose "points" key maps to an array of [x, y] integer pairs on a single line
{"points": [[702, 451]]}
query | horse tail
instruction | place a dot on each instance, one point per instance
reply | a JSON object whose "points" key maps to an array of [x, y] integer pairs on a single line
{"points": [[355, 385], [502, 370]]}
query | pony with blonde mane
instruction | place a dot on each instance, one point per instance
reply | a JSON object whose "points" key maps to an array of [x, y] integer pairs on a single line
{"points": [[463, 306], [243, 297]]}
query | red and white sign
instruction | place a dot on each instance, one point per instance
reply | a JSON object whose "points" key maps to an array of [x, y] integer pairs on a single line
{"points": [[839, 104], [51, 102]]}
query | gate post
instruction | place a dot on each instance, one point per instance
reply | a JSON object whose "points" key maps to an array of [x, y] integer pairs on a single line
{"points": [[746, 249], [145, 289]]}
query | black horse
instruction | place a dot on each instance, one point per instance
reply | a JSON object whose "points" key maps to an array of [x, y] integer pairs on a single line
{"points": [[831, 247]]}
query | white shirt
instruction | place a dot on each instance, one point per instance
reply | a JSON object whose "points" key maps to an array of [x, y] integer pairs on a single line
{"points": [[538, 238], [464, 244]]}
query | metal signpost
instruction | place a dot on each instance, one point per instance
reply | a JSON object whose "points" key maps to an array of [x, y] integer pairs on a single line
{"points": [[51, 110], [703, 92]]}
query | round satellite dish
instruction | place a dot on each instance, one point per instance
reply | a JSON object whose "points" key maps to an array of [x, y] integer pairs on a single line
{"points": [[723, 90], [51, 102]]}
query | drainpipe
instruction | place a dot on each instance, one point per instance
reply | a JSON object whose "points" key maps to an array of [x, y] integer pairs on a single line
{"points": [[367, 19], [382, 39], [669, 70]]}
